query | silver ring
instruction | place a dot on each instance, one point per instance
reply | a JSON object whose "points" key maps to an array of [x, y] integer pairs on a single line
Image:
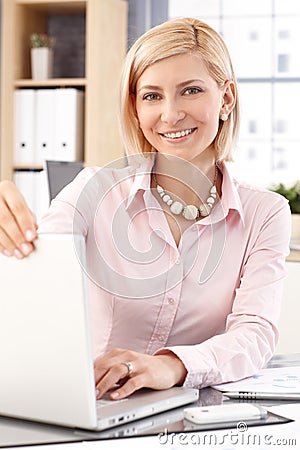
{"points": [[129, 366]]}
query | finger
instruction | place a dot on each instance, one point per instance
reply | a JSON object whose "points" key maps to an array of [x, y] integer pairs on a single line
{"points": [[12, 241], [100, 371], [6, 245], [111, 378], [18, 223], [104, 363], [8, 248], [133, 384], [24, 217]]}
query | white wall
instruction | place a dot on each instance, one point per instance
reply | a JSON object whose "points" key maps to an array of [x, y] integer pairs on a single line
{"points": [[289, 326]]}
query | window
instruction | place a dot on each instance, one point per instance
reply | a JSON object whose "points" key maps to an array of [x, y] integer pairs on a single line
{"points": [[263, 39]]}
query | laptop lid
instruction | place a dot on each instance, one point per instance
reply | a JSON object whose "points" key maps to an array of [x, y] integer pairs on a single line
{"points": [[46, 360], [46, 363]]}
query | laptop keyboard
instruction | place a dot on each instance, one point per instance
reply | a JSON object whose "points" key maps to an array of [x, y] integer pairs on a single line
{"points": [[106, 400]]}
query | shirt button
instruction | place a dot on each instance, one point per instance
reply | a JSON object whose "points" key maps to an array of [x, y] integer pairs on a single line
{"points": [[160, 338], [171, 300], [178, 261]]}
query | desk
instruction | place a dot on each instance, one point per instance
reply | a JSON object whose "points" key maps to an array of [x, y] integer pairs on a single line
{"points": [[294, 255], [25, 433]]}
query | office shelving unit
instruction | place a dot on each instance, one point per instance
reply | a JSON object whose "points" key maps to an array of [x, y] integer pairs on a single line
{"points": [[105, 48]]}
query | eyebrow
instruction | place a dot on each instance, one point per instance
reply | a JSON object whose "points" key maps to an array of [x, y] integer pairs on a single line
{"points": [[179, 85]]}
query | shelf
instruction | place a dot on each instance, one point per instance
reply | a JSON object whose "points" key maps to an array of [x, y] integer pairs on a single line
{"points": [[28, 167], [103, 38], [52, 82], [294, 250], [55, 6], [294, 255]]}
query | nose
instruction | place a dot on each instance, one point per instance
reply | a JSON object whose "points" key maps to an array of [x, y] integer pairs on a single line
{"points": [[172, 112]]}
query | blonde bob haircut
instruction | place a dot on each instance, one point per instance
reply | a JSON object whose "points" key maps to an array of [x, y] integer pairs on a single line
{"points": [[174, 37]]}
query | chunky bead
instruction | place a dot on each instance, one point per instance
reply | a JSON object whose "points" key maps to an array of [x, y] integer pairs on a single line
{"points": [[204, 210], [190, 212], [176, 208]]}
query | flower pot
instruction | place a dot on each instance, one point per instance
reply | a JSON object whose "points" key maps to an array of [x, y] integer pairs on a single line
{"points": [[295, 238], [41, 63]]}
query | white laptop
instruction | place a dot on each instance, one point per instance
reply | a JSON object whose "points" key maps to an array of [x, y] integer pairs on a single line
{"points": [[46, 362]]}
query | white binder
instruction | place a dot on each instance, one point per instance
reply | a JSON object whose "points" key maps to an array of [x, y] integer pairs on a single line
{"points": [[42, 199], [24, 125], [25, 181], [49, 124], [44, 125], [34, 187], [68, 124]]}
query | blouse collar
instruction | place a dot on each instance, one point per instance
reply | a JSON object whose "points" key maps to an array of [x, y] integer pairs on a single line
{"points": [[230, 199]]}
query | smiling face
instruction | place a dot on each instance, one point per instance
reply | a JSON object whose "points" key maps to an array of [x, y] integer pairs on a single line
{"points": [[178, 105]]}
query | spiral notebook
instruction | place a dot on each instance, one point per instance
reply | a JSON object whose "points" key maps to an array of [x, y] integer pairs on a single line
{"points": [[282, 383]]}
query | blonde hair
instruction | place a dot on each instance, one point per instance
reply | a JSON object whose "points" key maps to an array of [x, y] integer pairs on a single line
{"points": [[177, 36]]}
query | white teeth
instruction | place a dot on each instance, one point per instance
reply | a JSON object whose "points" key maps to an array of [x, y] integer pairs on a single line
{"points": [[178, 134]]}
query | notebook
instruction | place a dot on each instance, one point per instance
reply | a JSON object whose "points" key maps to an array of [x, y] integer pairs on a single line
{"points": [[45, 345], [280, 383]]}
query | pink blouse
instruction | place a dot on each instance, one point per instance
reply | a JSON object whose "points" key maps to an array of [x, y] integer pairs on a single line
{"points": [[214, 300]]}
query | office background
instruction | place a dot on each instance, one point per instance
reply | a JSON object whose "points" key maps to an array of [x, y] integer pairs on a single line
{"points": [[262, 36]]}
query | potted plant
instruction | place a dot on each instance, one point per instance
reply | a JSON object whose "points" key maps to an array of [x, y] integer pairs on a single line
{"points": [[292, 194], [41, 56]]}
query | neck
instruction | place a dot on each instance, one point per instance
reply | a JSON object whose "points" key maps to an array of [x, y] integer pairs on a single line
{"points": [[184, 179]]}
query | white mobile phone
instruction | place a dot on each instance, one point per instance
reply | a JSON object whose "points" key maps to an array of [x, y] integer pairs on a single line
{"points": [[224, 413]]}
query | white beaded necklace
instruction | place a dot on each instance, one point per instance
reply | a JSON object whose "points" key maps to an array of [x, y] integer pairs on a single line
{"points": [[189, 212]]}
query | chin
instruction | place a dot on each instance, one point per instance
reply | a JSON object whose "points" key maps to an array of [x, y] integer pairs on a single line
{"points": [[187, 156]]}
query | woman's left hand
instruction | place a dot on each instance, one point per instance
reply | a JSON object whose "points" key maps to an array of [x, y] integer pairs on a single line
{"points": [[156, 372]]}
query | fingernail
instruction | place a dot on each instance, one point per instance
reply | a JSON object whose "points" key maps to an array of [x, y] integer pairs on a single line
{"points": [[25, 248], [29, 235], [115, 394], [6, 252], [97, 392], [18, 254]]}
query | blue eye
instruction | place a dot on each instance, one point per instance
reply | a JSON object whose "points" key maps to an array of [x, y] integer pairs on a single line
{"points": [[151, 97], [192, 90]]}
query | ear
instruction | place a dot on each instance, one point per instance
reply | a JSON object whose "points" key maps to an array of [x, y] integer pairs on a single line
{"points": [[228, 98]]}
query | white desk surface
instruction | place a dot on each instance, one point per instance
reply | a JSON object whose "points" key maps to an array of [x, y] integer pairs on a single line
{"points": [[285, 436], [280, 436]]}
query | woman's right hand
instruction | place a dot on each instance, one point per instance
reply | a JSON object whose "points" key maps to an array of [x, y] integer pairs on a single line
{"points": [[17, 222]]}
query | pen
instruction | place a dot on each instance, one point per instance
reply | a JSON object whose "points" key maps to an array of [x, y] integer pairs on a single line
{"points": [[262, 395]]}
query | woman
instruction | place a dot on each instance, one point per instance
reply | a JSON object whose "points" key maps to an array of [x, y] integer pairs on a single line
{"points": [[186, 265]]}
